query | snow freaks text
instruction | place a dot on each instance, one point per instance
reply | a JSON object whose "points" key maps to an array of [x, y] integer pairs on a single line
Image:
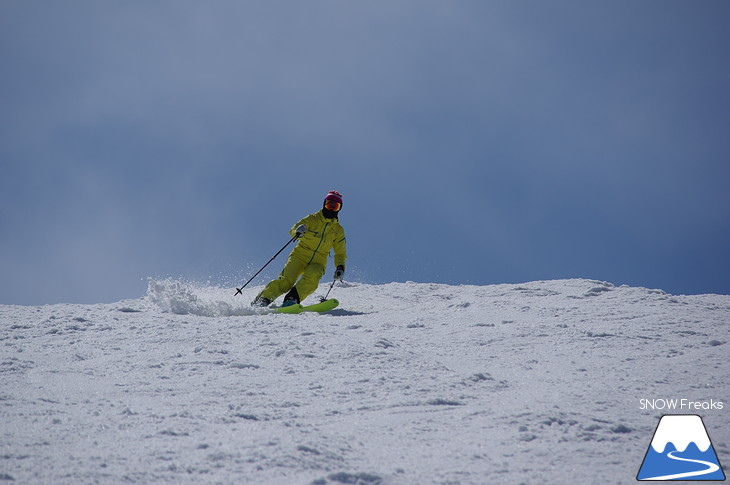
{"points": [[680, 405]]}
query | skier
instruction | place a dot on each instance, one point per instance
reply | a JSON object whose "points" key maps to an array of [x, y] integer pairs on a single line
{"points": [[316, 234]]}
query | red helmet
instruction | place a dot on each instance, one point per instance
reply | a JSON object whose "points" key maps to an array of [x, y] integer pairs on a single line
{"points": [[333, 201]]}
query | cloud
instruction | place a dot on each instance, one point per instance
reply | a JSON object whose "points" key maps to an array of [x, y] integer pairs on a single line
{"points": [[480, 142]]}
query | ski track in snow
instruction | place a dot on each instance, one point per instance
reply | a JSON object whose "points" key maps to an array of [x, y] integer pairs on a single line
{"points": [[405, 383]]}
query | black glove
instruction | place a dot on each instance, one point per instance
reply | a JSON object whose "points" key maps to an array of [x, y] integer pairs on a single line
{"points": [[339, 273]]}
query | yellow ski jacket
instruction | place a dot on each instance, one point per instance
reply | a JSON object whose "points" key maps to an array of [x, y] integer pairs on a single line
{"points": [[322, 235]]}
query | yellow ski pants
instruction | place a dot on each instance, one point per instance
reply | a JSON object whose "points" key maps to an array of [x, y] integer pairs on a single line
{"points": [[296, 266]]}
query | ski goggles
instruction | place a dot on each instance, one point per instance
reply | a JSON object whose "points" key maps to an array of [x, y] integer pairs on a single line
{"points": [[332, 205]]}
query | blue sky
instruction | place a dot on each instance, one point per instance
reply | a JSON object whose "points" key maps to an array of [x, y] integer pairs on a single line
{"points": [[475, 142]]}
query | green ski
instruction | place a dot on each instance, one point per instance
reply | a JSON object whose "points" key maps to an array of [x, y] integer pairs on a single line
{"points": [[320, 307], [289, 309], [323, 306]]}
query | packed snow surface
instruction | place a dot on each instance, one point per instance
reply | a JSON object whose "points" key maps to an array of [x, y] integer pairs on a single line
{"points": [[404, 383]]}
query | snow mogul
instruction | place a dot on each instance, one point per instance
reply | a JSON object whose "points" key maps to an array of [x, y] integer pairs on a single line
{"points": [[316, 235]]}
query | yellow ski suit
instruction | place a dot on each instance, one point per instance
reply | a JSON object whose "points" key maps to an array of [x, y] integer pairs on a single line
{"points": [[308, 259]]}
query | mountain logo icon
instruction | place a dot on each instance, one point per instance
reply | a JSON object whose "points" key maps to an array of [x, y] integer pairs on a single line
{"points": [[681, 450]]}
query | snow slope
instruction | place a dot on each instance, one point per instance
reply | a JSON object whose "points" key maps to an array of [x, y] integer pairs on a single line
{"points": [[406, 383]]}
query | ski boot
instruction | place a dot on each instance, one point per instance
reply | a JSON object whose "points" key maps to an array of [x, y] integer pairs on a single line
{"points": [[260, 301], [291, 298]]}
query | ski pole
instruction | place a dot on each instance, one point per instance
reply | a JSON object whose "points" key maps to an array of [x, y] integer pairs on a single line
{"points": [[238, 290], [323, 299]]}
